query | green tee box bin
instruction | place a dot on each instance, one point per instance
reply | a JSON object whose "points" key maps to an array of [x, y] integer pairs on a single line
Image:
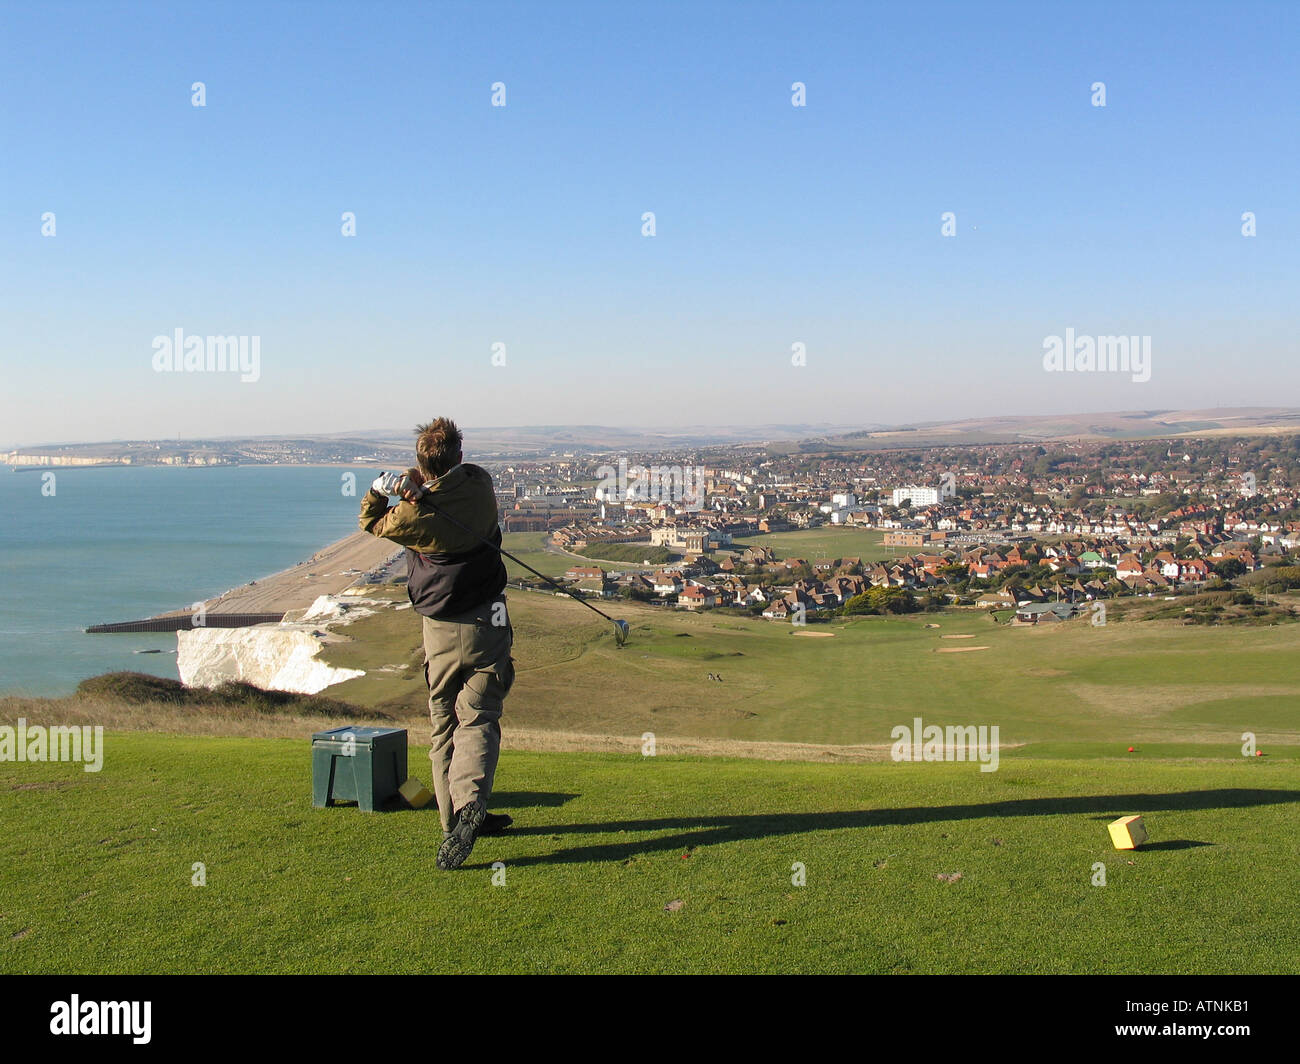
{"points": [[364, 765]]}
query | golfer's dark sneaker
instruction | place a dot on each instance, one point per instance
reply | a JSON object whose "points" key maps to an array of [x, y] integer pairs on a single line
{"points": [[495, 823], [456, 846]]}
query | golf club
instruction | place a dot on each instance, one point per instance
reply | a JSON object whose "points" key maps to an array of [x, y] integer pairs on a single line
{"points": [[621, 628]]}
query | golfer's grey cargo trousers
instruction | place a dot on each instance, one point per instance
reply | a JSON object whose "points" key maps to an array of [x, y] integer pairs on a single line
{"points": [[469, 672]]}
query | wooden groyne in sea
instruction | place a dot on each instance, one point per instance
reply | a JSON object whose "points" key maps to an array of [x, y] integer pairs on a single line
{"points": [[185, 621]]}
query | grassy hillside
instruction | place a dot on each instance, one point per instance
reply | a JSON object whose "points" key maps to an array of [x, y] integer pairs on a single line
{"points": [[826, 542], [909, 867], [851, 682], [530, 547], [631, 554]]}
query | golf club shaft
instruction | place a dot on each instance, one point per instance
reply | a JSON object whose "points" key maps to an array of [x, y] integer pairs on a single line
{"points": [[506, 553]]}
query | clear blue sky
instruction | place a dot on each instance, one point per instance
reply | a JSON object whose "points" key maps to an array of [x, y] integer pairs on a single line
{"points": [[522, 224]]}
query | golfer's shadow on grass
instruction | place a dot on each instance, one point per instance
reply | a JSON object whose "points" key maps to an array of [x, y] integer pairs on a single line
{"points": [[501, 801], [529, 799], [685, 833]]}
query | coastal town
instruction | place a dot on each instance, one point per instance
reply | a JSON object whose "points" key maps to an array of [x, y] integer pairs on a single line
{"points": [[803, 530], [1043, 531]]}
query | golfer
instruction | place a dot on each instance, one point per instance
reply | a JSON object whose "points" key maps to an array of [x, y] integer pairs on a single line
{"points": [[455, 583]]}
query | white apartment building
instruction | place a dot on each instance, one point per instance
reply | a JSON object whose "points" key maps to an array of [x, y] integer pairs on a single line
{"points": [[919, 496]]}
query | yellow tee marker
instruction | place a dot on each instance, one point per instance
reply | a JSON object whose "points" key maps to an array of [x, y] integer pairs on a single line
{"points": [[1128, 832], [417, 795]]}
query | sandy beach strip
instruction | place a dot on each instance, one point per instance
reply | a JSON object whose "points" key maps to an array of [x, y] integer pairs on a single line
{"points": [[327, 572]]}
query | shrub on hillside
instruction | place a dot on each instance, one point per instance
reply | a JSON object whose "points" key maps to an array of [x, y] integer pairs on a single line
{"points": [[881, 600], [636, 553], [235, 697], [1282, 577], [135, 687]]}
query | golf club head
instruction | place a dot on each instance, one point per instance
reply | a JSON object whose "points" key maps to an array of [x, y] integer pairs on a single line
{"points": [[620, 632]]}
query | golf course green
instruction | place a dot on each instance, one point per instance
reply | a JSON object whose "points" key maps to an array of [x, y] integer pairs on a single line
{"points": [[651, 864], [196, 848], [850, 681]]}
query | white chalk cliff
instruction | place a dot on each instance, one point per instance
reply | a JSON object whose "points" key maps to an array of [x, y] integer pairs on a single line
{"points": [[275, 657]]}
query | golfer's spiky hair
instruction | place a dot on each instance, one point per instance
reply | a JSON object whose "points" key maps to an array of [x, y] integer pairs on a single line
{"points": [[437, 446]]}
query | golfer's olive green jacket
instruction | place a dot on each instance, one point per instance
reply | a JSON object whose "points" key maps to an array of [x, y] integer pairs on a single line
{"points": [[466, 494], [449, 570]]}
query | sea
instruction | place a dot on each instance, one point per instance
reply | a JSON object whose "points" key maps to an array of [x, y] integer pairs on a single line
{"points": [[120, 543]]}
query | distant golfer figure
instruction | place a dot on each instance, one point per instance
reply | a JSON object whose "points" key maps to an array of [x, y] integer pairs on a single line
{"points": [[455, 582]]}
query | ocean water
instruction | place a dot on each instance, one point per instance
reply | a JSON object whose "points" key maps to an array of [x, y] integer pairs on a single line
{"points": [[122, 543]]}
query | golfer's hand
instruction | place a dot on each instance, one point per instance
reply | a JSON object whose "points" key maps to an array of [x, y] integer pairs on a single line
{"points": [[389, 483], [412, 485]]}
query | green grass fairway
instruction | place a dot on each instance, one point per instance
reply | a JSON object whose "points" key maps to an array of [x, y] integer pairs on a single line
{"points": [[810, 544], [98, 879], [855, 680], [529, 547], [826, 542]]}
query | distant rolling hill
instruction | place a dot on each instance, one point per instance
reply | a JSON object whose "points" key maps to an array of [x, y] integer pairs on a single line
{"points": [[549, 439], [1122, 425], [540, 441], [1137, 424]]}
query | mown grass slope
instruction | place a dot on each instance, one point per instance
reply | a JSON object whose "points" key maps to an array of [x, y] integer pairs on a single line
{"points": [[853, 681], [98, 868]]}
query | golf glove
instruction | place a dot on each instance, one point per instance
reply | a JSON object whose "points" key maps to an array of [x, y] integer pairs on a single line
{"points": [[391, 483]]}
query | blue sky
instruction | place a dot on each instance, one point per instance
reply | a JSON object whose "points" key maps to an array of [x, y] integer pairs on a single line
{"points": [[522, 225]]}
